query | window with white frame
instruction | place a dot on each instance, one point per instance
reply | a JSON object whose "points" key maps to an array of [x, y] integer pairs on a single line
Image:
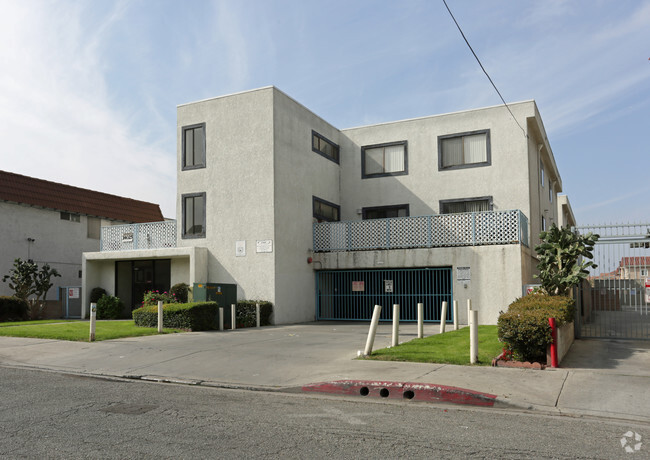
{"points": [[194, 215], [382, 160], [194, 146], [464, 150], [543, 223], [478, 204], [71, 216], [325, 211], [550, 191], [541, 172]]}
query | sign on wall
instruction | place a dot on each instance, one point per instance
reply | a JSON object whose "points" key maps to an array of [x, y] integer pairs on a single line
{"points": [[264, 246], [358, 286], [73, 293], [388, 286], [463, 274]]}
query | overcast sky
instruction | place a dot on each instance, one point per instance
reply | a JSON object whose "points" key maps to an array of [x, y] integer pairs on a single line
{"points": [[89, 89]]}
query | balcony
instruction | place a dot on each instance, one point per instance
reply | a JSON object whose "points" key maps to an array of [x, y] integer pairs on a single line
{"points": [[129, 237], [444, 230]]}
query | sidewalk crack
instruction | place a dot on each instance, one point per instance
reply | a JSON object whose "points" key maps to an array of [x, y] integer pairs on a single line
{"points": [[557, 400]]}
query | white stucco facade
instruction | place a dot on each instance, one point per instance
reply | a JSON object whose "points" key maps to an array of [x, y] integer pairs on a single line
{"points": [[260, 175]]}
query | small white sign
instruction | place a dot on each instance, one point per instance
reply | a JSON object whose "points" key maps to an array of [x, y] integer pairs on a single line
{"points": [[463, 274], [264, 245], [73, 293], [388, 286], [240, 248], [358, 286], [127, 237]]}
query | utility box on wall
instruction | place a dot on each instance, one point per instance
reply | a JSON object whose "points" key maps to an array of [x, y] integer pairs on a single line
{"points": [[224, 294]]}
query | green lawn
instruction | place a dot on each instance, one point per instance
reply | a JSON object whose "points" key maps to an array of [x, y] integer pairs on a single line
{"points": [[448, 348], [38, 321], [77, 330]]}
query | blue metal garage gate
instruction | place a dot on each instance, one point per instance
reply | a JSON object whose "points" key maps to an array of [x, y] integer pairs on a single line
{"points": [[352, 294]]}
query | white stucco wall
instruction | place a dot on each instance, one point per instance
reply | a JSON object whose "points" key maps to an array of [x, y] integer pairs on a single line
{"points": [[58, 243]]}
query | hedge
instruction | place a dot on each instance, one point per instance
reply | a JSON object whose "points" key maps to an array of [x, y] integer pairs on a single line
{"points": [[199, 316], [109, 307], [13, 309], [524, 327], [246, 316]]}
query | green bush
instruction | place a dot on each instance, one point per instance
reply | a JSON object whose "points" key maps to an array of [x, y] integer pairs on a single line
{"points": [[200, 316], [109, 307], [97, 294], [246, 313], [524, 327], [151, 298], [180, 291], [13, 309]]}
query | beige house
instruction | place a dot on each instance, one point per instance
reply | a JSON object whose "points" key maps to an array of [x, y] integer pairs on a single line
{"points": [[326, 222]]}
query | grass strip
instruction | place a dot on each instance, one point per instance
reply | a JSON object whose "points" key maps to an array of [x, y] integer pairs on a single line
{"points": [[38, 321], [80, 330], [449, 348]]}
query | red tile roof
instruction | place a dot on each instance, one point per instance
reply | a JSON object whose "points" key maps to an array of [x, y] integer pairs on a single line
{"points": [[635, 261], [52, 195]]}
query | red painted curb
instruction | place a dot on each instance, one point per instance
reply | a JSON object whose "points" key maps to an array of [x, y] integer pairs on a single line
{"points": [[403, 390]]}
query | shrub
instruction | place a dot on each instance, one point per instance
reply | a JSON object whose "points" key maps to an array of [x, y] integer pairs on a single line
{"points": [[109, 307], [180, 290], [200, 316], [245, 313], [524, 327], [13, 309], [97, 294], [151, 298]]}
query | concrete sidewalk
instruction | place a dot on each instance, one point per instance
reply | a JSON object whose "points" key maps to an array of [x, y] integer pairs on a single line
{"points": [[600, 378]]}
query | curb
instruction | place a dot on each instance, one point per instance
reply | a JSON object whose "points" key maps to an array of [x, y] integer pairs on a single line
{"points": [[404, 390]]}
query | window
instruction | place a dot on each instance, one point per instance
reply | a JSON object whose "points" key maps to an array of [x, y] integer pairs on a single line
{"points": [[479, 204], [541, 172], [644, 272], [384, 212], [326, 211], [72, 217], [550, 191], [194, 215], [194, 146], [466, 150], [543, 223], [94, 227], [384, 160], [324, 147]]}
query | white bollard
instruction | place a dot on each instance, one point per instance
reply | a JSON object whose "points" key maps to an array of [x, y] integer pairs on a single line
{"points": [[455, 315], [473, 336], [395, 341], [469, 308], [93, 319], [443, 317], [233, 318], [420, 320], [221, 318], [160, 317], [257, 314], [373, 330]]}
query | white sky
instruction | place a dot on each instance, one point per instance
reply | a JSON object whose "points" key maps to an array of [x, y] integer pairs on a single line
{"points": [[89, 89]]}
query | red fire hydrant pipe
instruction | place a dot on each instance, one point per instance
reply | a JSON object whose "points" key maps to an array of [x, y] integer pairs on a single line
{"points": [[551, 322]]}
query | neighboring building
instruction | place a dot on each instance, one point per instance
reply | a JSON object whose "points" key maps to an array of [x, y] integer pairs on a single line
{"points": [[634, 268], [325, 223], [53, 223], [565, 217]]}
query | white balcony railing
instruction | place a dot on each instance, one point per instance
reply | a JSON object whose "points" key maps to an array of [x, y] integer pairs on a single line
{"points": [[466, 229], [150, 235]]}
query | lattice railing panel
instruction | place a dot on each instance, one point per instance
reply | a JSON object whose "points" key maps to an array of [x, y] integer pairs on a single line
{"points": [[149, 235], [467, 229]]}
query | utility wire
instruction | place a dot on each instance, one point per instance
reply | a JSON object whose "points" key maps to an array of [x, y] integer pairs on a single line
{"points": [[483, 68]]}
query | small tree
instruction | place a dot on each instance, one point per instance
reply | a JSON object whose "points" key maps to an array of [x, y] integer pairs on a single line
{"points": [[561, 253], [26, 280]]}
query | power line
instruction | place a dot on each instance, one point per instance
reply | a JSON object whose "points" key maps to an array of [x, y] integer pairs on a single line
{"points": [[483, 68]]}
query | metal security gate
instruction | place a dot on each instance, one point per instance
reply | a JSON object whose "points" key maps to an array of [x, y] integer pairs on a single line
{"points": [[352, 294], [614, 302]]}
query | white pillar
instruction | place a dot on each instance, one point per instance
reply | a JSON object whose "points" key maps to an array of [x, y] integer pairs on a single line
{"points": [[455, 315], [473, 337], [160, 316], [395, 341], [443, 317], [420, 320], [373, 330], [221, 318], [469, 308], [233, 318], [257, 314], [93, 319]]}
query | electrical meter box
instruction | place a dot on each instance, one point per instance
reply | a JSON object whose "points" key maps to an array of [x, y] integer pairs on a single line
{"points": [[224, 294]]}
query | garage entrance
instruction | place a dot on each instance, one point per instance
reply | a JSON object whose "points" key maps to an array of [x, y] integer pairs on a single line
{"points": [[352, 294]]}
